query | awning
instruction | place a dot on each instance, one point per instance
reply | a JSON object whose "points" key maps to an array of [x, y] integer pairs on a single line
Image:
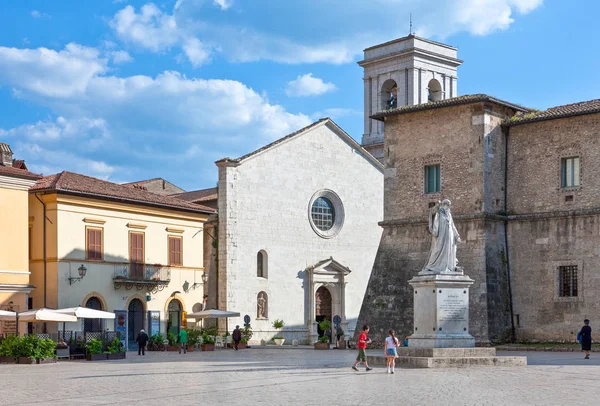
{"points": [[212, 314], [7, 316], [44, 314]]}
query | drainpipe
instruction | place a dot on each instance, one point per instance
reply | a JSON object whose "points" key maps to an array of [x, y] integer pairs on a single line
{"points": [[513, 335], [45, 267]]}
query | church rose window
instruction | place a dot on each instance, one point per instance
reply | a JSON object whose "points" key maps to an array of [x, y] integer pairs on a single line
{"points": [[323, 213], [326, 213]]}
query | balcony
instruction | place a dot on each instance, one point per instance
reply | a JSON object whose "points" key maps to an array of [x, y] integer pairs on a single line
{"points": [[152, 278]]}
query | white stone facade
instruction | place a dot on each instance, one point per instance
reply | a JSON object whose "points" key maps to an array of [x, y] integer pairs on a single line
{"points": [[264, 205], [411, 64]]}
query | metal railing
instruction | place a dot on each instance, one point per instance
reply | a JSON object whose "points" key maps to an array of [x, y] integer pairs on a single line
{"points": [[142, 272]]}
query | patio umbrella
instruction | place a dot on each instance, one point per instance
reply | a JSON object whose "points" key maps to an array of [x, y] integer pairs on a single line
{"points": [[85, 313], [42, 315], [8, 316], [214, 314]]}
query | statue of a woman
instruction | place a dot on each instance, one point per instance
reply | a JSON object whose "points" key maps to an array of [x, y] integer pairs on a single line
{"points": [[442, 257]]}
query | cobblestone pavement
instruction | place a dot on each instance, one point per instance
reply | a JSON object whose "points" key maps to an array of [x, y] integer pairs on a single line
{"points": [[280, 376]]}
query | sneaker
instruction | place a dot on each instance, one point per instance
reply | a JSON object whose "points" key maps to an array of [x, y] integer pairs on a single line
{"points": [[388, 370], [587, 357], [354, 368], [368, 369], [392, 372]]}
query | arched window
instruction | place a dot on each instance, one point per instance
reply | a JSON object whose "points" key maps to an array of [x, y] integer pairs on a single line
{"points": [[93, 325], [434, 91], [262, 264], [174, 316], [389, 95]]}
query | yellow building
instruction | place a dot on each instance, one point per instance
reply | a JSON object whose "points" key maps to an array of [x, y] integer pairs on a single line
{"points": [[118, 248], [14, 236]]}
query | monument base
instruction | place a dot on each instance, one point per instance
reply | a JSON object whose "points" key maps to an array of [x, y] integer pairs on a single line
{"points": [[441, 311], [449, 358]]}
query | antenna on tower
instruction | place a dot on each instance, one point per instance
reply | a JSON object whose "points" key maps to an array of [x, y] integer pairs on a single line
{"points": [[410, 30]]}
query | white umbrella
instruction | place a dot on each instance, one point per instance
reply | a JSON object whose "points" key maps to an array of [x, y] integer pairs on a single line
{"points": [[8, 316], [85, 313], [214, 314], [44, 314]]}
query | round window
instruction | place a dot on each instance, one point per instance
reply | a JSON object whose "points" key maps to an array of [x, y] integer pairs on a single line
{"points": [[326, 213]]}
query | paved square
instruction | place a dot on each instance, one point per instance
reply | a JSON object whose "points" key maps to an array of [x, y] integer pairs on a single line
{"points": [[280, 376]]}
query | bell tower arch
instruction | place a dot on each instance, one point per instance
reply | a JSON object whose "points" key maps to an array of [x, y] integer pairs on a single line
{"points": [[404, 72]]}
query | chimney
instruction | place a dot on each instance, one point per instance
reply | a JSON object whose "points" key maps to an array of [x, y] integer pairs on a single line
{"points": [[6, 155]]}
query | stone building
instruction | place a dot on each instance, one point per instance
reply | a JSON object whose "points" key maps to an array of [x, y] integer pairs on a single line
{"points": [[525, 201], [297, 232]]}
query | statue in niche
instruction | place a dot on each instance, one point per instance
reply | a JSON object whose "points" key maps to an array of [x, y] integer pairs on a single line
{"points": [[392, 102], [442, 257], [261, 306]]}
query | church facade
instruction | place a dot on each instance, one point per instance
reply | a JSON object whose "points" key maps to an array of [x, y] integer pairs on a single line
{"points": [[297, 233], [525, 203]]}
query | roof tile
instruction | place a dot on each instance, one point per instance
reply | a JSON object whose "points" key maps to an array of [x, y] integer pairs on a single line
{"points": [[567, 110]]}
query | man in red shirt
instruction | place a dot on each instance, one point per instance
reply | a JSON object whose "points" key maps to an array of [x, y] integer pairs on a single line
{"points": [[362, 347]]}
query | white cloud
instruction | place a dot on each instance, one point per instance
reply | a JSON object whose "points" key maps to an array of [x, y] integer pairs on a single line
{"points": [[224, 4], [196, 51], [36, 14], [119, 57], [308, 85], [154, 117]]}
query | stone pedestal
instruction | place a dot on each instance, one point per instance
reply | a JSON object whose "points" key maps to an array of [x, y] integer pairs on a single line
{"points": [[441, 311]]}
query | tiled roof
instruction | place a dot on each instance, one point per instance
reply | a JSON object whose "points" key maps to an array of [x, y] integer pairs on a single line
{"points": [[74, 183], [455, 101], [18, 173], [568, 110], [141, 182], [19, 164], [202, 195]]}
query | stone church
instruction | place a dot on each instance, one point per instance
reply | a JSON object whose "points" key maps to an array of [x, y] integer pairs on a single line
{"points": [[297, 233], [524, 193]]}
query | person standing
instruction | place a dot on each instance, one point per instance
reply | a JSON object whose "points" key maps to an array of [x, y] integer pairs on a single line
{"points": [[586, 338], [142, 340], [237, 337], [362, 349], [391, 342], [182, 340]]}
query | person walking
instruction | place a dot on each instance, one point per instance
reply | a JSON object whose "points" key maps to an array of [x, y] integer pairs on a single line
{"points": [[391, 342], [362, 349], [142, 340], [237, 337], [586, 338], [182, 340]]}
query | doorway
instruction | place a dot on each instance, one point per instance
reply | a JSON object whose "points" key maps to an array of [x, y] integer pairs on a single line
{"points": [[323, 309], [135, 313], [93, 325], [174, 317]]}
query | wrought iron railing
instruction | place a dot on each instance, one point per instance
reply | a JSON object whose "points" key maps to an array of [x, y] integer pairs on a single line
{"points": [[142, 272]]}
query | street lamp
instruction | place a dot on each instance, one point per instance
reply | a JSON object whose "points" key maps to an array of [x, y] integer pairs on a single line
{"points": [[81, 270], [204, 277]]}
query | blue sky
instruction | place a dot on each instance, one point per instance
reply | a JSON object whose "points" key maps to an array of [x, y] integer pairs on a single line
{"points": [[130, 90]]}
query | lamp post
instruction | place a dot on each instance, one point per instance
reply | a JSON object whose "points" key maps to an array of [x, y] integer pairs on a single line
{"points": [[204, 277], [81, 270]]}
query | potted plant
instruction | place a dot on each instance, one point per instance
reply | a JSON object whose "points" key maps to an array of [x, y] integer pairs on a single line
{"points": [[246, 335], [193, 338], [341, 342], [243, 343], [172, 339], [44, 351], [323, 342], [278, 325], [208, 343], [94, 350], [7, 347], [23, 349], [115, 350]]}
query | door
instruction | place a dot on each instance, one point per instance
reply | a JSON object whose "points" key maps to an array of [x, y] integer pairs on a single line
{"points": [[174, 320], [92, 325], [323, 308], [135, 322]]}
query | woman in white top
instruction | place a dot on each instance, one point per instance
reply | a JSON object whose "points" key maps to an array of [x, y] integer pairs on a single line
{"points": [[391, 343]]}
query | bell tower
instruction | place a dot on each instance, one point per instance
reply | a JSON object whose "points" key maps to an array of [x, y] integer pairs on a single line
{"points": [[404, 72]]}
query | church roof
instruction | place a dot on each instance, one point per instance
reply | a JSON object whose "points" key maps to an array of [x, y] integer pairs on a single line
{"points": [[567, 110], [324, 121], [198, 195], [81, 185], [454, 101]]}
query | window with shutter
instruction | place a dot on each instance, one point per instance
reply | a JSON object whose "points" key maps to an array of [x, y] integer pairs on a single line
{"points": [[175, 251], [94, 243], [136, 255]]}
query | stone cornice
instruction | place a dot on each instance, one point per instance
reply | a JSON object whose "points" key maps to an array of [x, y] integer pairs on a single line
{"points": [[17, 183]]}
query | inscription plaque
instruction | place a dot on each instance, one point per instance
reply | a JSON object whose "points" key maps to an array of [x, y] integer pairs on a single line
{"points": [[453, 305]]}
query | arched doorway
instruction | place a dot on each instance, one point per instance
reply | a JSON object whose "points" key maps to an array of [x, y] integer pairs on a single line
{"points": [[389, 95], [174, 316], [135, 313], [322, 308], [93, 325]]}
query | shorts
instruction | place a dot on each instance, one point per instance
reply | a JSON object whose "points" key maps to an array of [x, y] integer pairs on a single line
{"points": [[362, 355], [391, 352]]}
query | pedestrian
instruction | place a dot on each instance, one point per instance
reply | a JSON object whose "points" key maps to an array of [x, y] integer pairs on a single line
{"points": [[142, 340], [391, 342], [237, 337], [182, 340], [362, 349], [586, 338]]}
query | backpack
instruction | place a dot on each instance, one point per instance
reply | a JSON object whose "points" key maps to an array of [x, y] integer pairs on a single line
{"points": [[579, 337]]}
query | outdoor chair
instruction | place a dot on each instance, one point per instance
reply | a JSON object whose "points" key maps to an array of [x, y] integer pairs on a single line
{"points": [[63, 353], [219, 342]]}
